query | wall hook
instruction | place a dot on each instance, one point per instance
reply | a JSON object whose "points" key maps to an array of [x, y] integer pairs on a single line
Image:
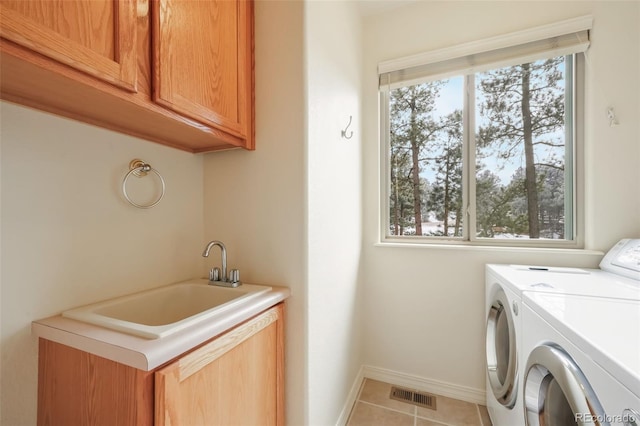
{"points": [[611, 115], [344, 132]]}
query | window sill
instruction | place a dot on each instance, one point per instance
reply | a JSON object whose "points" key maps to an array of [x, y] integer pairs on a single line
{"points": [[489, 248]]}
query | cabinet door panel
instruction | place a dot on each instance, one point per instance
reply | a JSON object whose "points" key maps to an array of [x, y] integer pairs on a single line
{"points": [[203, 61], [231, 381], [247, 377], [95, 36], [79, 388]]}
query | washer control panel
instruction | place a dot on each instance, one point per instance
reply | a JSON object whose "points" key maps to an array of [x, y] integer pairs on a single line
{"points": [[623, 259]]}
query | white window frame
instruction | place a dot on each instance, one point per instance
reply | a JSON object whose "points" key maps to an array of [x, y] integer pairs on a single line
{"points": [[574, 192]]}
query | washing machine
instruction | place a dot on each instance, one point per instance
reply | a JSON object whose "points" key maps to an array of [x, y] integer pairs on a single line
{"points": [[583, 360], [505, 285], [503, 298]]}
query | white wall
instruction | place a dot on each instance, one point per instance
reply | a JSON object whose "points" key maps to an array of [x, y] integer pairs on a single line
{"points": [[68, 237], [255, 201], [423, 307], [334, 218], [612, 168], [290, 212]]}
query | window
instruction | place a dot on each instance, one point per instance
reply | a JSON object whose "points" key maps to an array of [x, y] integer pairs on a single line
{"points": [[481, 147]]}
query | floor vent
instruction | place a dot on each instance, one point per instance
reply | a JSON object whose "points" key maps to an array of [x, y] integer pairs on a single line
{"points": [[421, 399]]}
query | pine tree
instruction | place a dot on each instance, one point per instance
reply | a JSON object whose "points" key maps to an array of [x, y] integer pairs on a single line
{"points": [[445, 198], [524, 106], [412, 128]]}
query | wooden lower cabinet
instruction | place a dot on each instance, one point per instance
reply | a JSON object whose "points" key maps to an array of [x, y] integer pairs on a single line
{"points": [[235, 379]]}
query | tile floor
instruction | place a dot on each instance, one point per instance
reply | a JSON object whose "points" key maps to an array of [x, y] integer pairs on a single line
{"points": [[375, 408]]}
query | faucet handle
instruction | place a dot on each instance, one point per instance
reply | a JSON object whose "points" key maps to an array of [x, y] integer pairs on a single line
{"points": [[234, 276], [214, 274]]}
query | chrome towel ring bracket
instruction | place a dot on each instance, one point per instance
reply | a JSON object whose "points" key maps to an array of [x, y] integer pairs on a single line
{"points": [[139, 169]]}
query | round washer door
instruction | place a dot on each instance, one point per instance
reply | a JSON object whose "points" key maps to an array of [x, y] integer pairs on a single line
{"points": [[501, 350], [556, 392]]}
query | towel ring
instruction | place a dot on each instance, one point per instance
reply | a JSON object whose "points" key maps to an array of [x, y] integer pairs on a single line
{"points": [[140, 169]]}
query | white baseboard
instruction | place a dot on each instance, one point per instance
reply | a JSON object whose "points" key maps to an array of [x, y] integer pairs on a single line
{"points": [[351, 399], [463, 393]]}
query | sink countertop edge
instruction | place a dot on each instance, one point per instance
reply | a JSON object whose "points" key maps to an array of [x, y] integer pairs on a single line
{"points": [[148, 354]]}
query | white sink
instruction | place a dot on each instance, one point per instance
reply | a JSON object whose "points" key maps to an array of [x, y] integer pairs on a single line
{"points": [[165, 310]]}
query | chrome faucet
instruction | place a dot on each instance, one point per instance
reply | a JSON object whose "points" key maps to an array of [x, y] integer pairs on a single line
{"points": [[232, 280]]}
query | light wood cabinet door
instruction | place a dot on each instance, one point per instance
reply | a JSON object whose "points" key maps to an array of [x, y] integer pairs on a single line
{"points": [[97, 37], [234, 380], [203, 62], [80, 389]]}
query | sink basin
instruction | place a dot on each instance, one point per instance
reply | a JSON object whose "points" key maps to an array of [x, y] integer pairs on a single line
{"points": [[165, 310]]}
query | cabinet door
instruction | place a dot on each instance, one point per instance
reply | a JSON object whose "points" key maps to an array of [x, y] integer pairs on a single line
{"points": [[203, 62], [77, 388], [95, 36], [234, 380]]}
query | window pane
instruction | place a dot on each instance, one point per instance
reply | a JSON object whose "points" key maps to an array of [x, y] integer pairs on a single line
{"points": [[522, 137], [425, 194]]}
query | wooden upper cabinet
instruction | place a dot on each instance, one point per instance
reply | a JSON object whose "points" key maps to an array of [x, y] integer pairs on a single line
{"points": [[97, 37], [203, 62], [177, 72]]}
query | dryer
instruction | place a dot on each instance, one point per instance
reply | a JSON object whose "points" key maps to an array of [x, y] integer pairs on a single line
{"points": [[583, 360], [505, 285]]}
